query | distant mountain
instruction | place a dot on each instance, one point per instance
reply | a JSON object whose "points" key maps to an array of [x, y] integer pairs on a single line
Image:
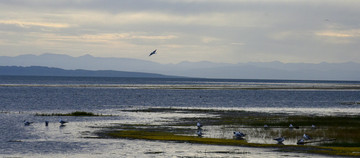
{"points": [[46, 71], [204, 69]]}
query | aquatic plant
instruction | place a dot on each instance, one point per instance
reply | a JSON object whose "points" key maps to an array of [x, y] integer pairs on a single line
{"points": [[167, 136], [76, 113]]}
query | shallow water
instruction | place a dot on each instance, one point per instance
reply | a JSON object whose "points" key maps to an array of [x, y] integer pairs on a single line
{"points": [[77, 139], [23, 97]]}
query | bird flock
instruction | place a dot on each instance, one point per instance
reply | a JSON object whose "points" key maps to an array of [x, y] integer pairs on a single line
{"points": [[62, 123], [280, 140], [199, 132]]}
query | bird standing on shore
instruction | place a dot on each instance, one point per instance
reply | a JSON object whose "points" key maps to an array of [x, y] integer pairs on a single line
{"points": [[291, 126], [280, 140], [306, 137], [199, 133], [239, 135], [301, 141], [199, 125]]}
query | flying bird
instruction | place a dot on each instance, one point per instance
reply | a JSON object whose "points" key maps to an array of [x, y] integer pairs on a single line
{"points": [[152, 53]]}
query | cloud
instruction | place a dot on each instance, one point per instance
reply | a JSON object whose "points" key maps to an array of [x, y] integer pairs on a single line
{"points": [[216, 30], [350, 36], [342, 34], [105, 38], [26, 24]]}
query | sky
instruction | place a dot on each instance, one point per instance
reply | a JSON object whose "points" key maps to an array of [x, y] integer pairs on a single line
{"points": [[222, 31]]}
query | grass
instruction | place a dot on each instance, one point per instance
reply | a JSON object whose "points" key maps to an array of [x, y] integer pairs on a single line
{"points": [[76, 113], [343, 129], [167, 136]]}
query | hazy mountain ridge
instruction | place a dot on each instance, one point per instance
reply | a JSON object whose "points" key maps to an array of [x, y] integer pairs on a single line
{"points": [[205, 69], [47, 71]]}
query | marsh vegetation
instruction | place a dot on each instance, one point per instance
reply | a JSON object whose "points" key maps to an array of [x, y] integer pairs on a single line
{"points": [[76, 113], [333, 135]]}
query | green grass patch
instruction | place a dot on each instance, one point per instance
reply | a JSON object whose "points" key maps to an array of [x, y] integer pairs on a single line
{"points": [[167, 136]]}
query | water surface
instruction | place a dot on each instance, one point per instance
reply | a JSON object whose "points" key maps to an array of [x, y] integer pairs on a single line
{"points": [[23, 97]]}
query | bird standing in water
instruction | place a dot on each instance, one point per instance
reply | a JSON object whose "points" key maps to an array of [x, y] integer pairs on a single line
{"points": [[62, 122], [27, 123]]}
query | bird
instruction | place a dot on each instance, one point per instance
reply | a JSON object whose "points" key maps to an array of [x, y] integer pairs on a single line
{"points": [[266, 126], [239, 135], [306, 137], [199, 133], [280, 139], [153, 52], [199, 125], [27, 123], [313, 126], [291, 126], [301, 141], [46, 123], [62, 122]]}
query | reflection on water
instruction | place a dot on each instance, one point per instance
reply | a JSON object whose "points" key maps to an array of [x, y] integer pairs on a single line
{"points": [[77, 139]]}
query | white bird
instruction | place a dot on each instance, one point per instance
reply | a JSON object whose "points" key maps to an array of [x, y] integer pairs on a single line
{"points": [[152, 53], [62, 122], [27, 123], [301, 141], [199, 133], [266, 126], [199, 125], [313, 126], [306, 137], [291, 126], [239, 134], [280, 139]]}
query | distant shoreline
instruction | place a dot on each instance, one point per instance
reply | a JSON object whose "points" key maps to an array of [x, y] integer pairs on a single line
{"points": [[50, 71], [255, 81]]}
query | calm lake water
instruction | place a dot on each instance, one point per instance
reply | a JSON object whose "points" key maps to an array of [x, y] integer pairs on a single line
{"points": [[22, 97]]}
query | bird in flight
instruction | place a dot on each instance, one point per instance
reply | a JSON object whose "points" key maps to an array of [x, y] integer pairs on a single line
{"points": [[152, 53]]}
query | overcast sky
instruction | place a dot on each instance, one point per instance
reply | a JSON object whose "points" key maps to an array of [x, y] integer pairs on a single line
{"points": [[229, 31]]}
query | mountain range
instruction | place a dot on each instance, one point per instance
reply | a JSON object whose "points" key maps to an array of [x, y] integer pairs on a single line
{"points": [[204, 69], [48, 71]]}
